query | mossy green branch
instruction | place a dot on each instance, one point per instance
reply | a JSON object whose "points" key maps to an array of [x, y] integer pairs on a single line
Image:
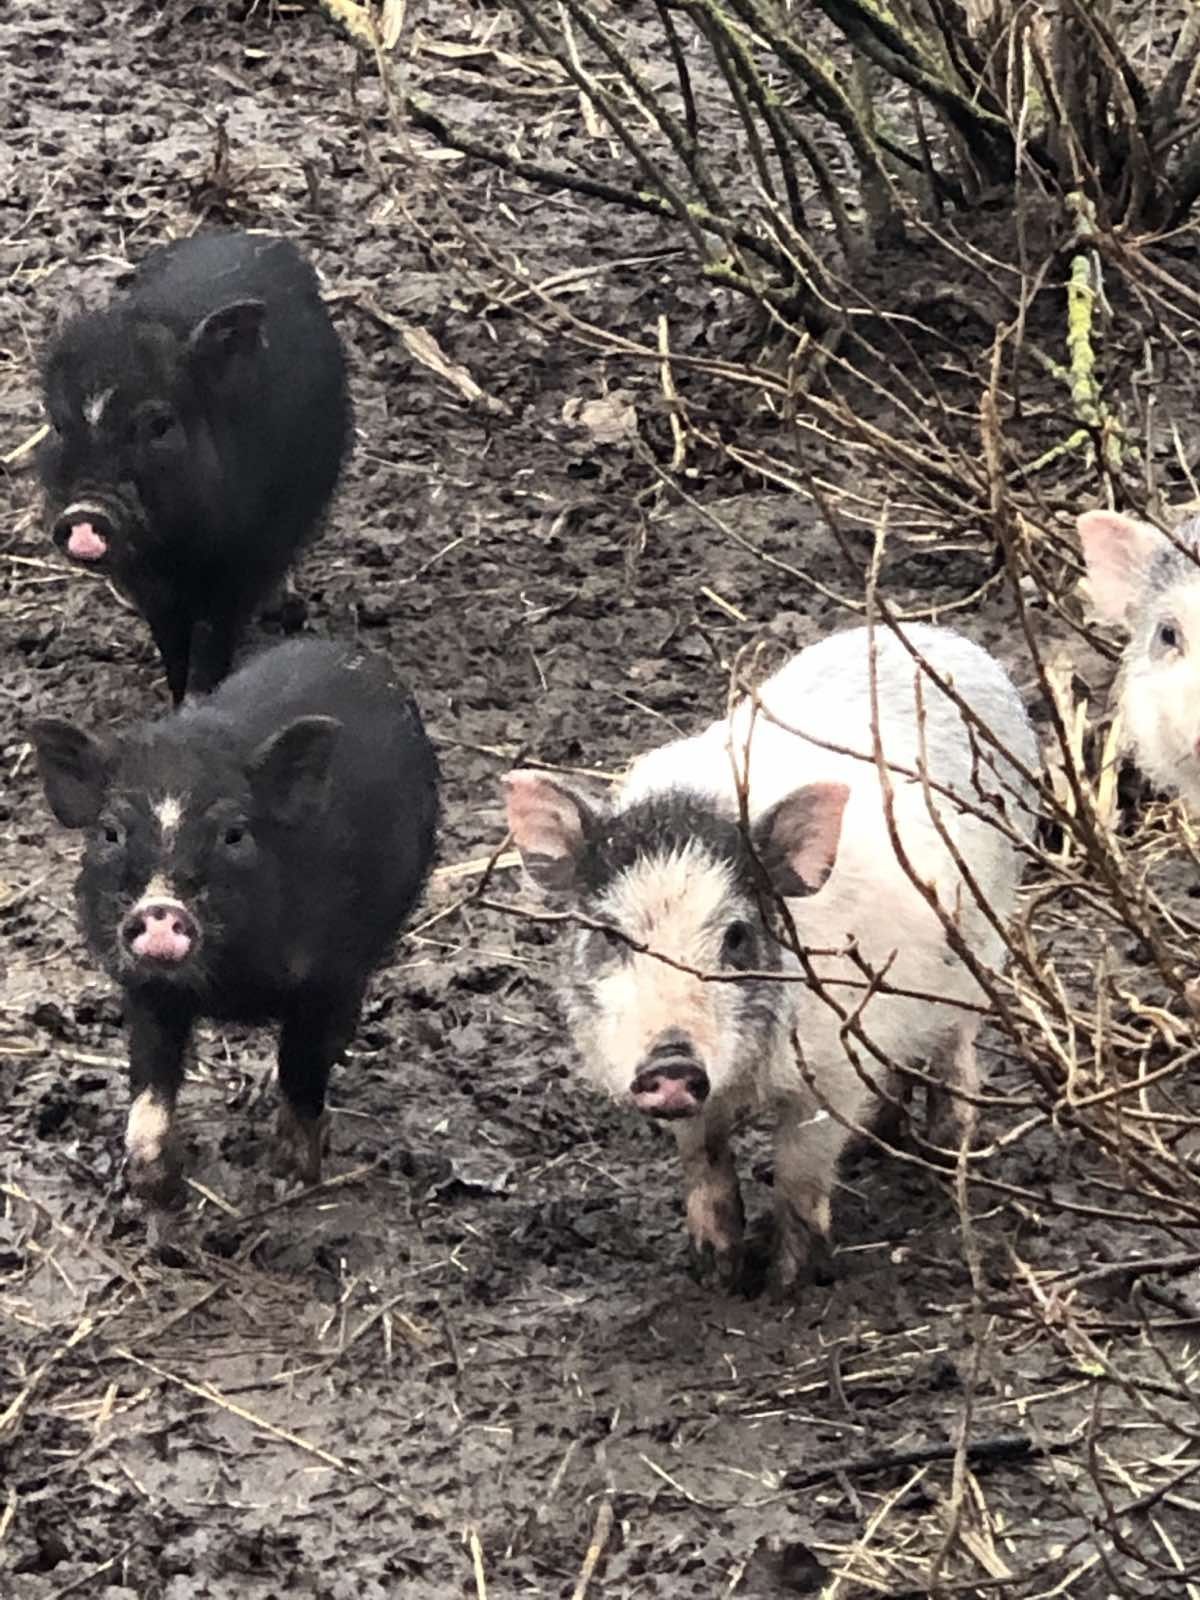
{"points": [[355, 18], [1081, 303], [1081, 364]]}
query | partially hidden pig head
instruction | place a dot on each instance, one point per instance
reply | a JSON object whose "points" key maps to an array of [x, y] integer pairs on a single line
{"points": [[680, 888], [181, 872], [1151, 584], [129, 447]]}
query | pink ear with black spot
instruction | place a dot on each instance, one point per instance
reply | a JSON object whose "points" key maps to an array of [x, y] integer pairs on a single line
{"points": [[797, 840], [549, 826], [1117, 551]]}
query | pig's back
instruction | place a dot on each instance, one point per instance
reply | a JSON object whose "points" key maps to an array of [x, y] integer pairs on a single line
{"points": [[380, 828], [821, 714], [182, 282], [281, 424]]}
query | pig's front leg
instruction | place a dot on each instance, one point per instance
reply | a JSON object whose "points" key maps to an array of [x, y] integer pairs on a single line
{"points": [[158, 1039], [715, 1219], [809, 1143], [951, 1113], [211, 643], [316, 1029], [171, 630]]}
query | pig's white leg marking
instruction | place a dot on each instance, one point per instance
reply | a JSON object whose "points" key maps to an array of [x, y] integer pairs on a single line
{"points": [[150, 1156], [157, 1045], [147, 1128], [714, 1203]]}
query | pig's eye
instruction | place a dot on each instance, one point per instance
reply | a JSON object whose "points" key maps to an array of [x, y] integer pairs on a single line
{"points": [[1167, 637], [157, 424], [737, 950], [603, 948], [233, 836], [111, 832]]}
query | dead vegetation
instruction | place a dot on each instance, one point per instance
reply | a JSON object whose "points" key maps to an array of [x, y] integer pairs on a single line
{"points": [[1043, 165], [951, 298]]}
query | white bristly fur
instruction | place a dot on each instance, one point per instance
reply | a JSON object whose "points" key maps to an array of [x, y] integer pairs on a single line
{"points": [[821, 698]]}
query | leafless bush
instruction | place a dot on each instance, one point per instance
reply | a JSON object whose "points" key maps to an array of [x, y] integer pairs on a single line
{"points": [[1034, 159]]}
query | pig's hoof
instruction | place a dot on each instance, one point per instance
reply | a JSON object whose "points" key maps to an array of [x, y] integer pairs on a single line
{"points": [[722, 1266], [798, 1265], [165, 1237], [157, 1182], [300, 1145], [715, 1225]]}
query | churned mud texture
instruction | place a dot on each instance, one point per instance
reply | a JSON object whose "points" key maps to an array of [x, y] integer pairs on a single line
{"points": [[474, 1362]]}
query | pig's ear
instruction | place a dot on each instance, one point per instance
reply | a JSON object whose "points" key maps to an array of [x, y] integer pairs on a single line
{"points": [[1118, 551], [234, 330], [74, 768], [290, 771], [549, 825], [797, 839]]}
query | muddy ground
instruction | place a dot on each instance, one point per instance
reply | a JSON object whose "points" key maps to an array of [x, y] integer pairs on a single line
{"points": [[478, 1351]]}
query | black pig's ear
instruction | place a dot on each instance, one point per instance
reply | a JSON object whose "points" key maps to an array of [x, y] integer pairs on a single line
{"points": [[234, 330], [74, 768], [290, 771]]}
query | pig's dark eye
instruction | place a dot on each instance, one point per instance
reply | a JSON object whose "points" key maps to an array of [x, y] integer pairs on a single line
{"points": [[603, 948], [738, 948], [112, 833], [233, 836], [1167, 637], [157, 423]]}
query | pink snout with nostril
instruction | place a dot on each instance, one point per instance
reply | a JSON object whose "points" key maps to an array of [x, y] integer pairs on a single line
{"points": [[161, 931], [670, 1088], [85, 543]]}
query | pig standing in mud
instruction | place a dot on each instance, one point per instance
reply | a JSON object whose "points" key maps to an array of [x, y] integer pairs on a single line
{"points": [[1141, 578], [250, 857], [197, 429], [679, 882]]}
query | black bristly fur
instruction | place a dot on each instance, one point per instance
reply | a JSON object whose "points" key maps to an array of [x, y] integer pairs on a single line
{"points": [[213, 458], [293, 908]]}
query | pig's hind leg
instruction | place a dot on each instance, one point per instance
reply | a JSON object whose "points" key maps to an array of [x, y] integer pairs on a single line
{"points": [[316, 1029]]}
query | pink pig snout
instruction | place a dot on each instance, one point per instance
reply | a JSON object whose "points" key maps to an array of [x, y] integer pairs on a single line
{"points": [[671, 1082], [85, 543], [162, 931], [84, 532]]}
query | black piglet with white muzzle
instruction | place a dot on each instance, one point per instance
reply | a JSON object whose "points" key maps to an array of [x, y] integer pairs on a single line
{"points": [[251, 857]]}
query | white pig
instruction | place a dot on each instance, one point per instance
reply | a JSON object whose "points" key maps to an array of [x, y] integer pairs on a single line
{"points": [[1140, 578], [669, 867]]}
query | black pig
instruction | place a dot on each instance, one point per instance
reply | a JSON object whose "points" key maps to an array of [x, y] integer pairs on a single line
{"points": [[197, 429], [251, 857]]}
